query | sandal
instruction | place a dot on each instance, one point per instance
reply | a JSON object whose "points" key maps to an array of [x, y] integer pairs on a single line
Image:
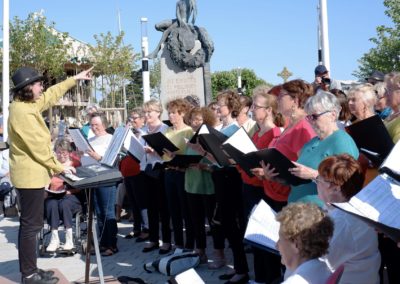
{"points": [[109, 252]]}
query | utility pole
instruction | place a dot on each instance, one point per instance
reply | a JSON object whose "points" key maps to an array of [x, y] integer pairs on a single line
{"points": [[145, 60], [6, 65], [123, 79], [323, 19]]}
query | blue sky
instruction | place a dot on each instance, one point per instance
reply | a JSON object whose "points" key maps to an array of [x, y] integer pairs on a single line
{"points": [[263, 35]]}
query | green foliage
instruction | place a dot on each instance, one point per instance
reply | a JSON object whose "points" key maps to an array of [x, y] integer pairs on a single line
{"points": [[228, 80], [36, 44], [114, 62], [134, 91], [385, 56], [155, 76]]}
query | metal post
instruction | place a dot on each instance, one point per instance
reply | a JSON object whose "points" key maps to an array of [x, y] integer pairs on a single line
{"points": [[6, 65], [145, 60], [123, 79], [324, 34], [239, 80]]}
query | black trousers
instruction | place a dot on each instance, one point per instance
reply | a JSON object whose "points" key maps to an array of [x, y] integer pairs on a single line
{"points": [[202, 206], [228, 192], [174, 182], [390, 254], [31, 222], [157, 209], [136, 191]]}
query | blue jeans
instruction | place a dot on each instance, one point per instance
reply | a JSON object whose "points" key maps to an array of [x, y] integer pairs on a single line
{"points": [[104, 205]]}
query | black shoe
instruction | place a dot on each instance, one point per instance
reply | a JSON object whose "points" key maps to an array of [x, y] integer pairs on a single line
{"points": [[37, 279], [45, 274], [226, 276], [151, 248], [165, 250], [132, 235], [245, 279]]}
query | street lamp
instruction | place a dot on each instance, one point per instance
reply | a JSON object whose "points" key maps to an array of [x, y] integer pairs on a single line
{"points": [[239, 80], [145, 60]]}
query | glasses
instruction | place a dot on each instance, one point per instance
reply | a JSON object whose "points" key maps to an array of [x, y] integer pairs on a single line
{"points": [[135, 117], [256, 107], [62, 153], [314, 116]]}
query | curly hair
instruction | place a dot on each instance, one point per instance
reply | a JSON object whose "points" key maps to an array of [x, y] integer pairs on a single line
{"points": [[299, 89], [344, 171], [308, 226], [180, 105], [24, 94], [206, 113], [232, 101]]}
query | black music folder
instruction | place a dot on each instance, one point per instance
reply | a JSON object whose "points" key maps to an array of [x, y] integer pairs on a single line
{"points": [[179, 161], [378, 203], [205, 129], [159, 142], [372, 138], [277, 160]]}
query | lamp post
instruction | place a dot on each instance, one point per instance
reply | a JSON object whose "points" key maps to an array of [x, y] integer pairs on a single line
{"points": [[145, 60], [6, 66], [239, 80]]}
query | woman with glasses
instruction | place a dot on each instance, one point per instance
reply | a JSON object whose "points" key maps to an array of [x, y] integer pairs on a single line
{"points": [[322, 113], [291, 99], [153, 182], [61, 203], [269, 122]]}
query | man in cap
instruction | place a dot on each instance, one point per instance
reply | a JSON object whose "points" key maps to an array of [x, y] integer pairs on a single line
{"points": [[375, 77], [322, 79]]}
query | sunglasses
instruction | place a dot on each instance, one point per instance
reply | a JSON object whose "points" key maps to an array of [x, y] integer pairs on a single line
{"points": [[314, 116]]}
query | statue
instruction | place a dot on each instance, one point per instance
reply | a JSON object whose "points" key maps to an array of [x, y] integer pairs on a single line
{"points": [[180, 35]]}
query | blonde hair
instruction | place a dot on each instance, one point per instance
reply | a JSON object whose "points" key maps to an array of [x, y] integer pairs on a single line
{"points": [[153, 105], [367, 94]]}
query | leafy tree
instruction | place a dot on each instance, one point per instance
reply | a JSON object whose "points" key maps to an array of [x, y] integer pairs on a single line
{"points": [[155, 77], [228, 80], [134, 93], [385, 56], [114, 62], [36, 44]]}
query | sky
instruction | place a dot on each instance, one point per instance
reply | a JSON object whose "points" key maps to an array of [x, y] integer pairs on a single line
{"points": [[262, 35]]}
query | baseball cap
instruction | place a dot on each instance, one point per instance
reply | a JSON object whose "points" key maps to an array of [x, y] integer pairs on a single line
{"points": [[320, 69]]}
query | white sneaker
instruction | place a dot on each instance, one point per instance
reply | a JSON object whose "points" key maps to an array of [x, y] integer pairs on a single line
{"points": [[69, 240], [54, 242]]}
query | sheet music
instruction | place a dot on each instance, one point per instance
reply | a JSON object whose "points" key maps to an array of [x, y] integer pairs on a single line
{"points": [[133, 145], [392, 161], [262, 227], [241, 141], [189, 276], [378, 201], [80, 142], [115, 146], [203, 129]]}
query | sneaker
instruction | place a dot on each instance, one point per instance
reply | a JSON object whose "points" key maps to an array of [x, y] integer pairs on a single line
{"points": [[36, 278]]}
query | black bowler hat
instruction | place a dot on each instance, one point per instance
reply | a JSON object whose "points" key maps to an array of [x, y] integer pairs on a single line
{"points": [[25, 76]]}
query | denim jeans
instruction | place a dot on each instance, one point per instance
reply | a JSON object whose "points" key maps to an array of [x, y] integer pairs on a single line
{"points": [[104, 204]]}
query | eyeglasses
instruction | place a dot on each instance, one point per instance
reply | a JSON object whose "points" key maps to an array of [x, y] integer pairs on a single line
{"points": [[62, 153], [314, 116], [256, 107], [135, 117]]}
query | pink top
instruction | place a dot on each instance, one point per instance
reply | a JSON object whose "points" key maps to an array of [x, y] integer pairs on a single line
{"points": [[289, 143]]}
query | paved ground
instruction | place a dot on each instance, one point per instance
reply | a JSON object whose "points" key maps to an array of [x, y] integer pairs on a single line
{"points": [[129, 261]]}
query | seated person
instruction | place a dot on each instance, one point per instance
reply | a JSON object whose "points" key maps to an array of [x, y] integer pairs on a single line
{"points": [[61, 203], [354, 244], [304, 234]]}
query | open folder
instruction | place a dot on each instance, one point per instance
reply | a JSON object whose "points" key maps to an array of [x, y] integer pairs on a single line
{"points": [[277, 160], [211, 140], [372, 138], [378, 203], [180, 161], [262, 229], [159, 142]]}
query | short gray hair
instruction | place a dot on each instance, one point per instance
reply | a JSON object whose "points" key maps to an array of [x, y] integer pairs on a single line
{"points": [[368, 94], [322, 101]]}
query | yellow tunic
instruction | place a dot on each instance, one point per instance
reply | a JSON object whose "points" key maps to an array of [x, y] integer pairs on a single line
{"points": [[32, 161]]}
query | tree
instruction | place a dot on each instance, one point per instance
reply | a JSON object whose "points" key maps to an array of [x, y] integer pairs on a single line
{"points": [[34, 43], [155, 77], [385, 56], [228, 80], [134, 90], [114, 62]]}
